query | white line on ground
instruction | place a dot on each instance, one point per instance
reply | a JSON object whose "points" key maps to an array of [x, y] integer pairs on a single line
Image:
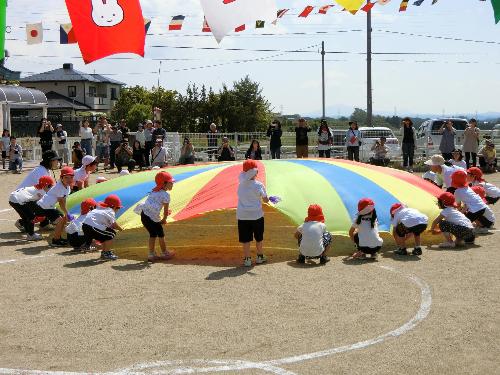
{"points": [[6, 210], [25, 258]]}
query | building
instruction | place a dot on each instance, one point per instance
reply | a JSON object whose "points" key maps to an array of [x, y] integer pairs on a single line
{"points": [[7, 74], [70, 91], [20, 98]]}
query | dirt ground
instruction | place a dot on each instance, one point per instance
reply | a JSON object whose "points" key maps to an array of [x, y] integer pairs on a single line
{"points": [[203, 312]]}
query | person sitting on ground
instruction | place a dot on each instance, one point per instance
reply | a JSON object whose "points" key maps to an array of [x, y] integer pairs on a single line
{"points": [[19, 199], [407, 223], [100, 225], [77, 155], [452, 222], [475, 178], [123, 157], [82, 174], [225, 151], [458, 159], [254, 152], [488, 157], [159, 154], [313, 238], [15, 156], [380, 151], [443, 172], [138, 154], [187, 152], [74, 231], [364, 231]]}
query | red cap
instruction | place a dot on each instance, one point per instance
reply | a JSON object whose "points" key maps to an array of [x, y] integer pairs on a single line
{"points": [[448, 199], [87, 205], [476, 172], [459, 179], [395, 207], [45, 181], [315, 213], [161, 179], [479, 190], [365, 206], [249, 164], [112, 201], [67, 171]]}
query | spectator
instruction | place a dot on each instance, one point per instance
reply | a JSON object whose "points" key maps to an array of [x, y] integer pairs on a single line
{"points": [[62, 144], [102, 132], [148, 141], [447, 144], [353, 141], [123, 156], [5, 145], [15, 156], [124, 129], [380, 151], [471, 143], [254, 152], [488, 157], [77, 155], [325, 140], [140, 136], [225, 151], [408, 144], [115, 139], [159, 132], [45, 133], [301, 139], [138, 154], [86, 137], [458, 159], [159, 155], [187, 152], [275, 133], [212, 136]]}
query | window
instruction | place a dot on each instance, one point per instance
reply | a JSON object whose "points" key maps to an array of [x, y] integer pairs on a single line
{"points": [[114, 95], [92, 91], [72, 91]]}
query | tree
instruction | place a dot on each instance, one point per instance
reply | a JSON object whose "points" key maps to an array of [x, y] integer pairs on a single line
{"points": [[137, 114]]}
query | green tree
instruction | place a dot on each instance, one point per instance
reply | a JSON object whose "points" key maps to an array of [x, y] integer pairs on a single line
{"points": [[128, 97], [137, 114]]}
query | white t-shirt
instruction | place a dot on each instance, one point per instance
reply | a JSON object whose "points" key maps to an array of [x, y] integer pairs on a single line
{"points": [[49, 200], [491, 190], [311, 244], [86, 133], [76, 225], [154, 203], [445, 175], [81, 175], [32, 178], [459, 163], [409, 217], [27, 194], [368, 236], [100, 218], [454, 216], [467, 196], [488, 214], [250, 193]]}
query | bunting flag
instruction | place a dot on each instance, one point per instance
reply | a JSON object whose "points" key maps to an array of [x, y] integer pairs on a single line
{"points": [[367, 7], [353, 12], [259, 24], [307, 10], [3, 17], [106, 27], [279, 14], [325, 8], [147, 23], [34, 33], [434, 2], [383, 2], [176, 23], [205, 28], [239, 28], [496, 9], [418, 3], [403, 6], [351, 5], [66, 34]]}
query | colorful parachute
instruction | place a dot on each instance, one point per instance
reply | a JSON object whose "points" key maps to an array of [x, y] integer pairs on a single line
{"points": [[336, 185]]}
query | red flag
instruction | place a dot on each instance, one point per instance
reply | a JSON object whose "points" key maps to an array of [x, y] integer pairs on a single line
{"points": [[307, 10], [368, 7], [206, 27], [240, 28], [106, 27], [324, 9]]}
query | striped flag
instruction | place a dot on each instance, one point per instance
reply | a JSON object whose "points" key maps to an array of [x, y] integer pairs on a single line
{"points": [[280, 14], [147, 23], [325, 8], [206, 28], [418, 3], [259, 24], [66, 34], [176, 23], [307, 10], [368, 6], [239, 29], [403, 6]]}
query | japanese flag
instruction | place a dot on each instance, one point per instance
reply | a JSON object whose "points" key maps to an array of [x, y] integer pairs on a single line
{"points": [[34, 33]]}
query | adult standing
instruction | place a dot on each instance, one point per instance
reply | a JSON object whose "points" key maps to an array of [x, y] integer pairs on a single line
{"points": [[148, 142], [123, 128], [86, 137], [301, 139], [471, 143], [102, 132], [325, 140], [274, 132], [408, 144], [212, 136], [115, 139], [45, 131], [62, 147], [447, 144], [353, 141], [159, 132]]}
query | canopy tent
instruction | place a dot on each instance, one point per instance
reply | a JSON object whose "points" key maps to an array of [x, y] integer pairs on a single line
{"points": [[20, 97]]}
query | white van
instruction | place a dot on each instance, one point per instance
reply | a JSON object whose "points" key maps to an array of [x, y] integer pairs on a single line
{"points": [[429, 138]]}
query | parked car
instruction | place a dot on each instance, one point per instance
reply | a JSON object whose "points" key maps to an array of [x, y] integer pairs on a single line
{"points": [[370, 135], [429, 138]]}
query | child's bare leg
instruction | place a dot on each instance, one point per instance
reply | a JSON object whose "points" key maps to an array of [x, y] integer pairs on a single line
{"points": [[259, 246], [447, 236], [107, 245], [400, 241], [418, 243], [246, 249], [152, 241], [60, 223], [163, 245]]}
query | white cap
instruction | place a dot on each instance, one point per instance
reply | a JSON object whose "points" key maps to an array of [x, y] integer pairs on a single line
{"points": [[156, 167], [124, 172], [429, 175], [87, 159], [435, 160]]}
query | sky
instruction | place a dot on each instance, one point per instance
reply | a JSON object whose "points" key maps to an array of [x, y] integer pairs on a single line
{"points": [[412, 74]]}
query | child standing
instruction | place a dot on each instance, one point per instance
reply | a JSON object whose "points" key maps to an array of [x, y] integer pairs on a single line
{"points": [[364, 230], [5, 142], [74, 230], [157, 200], [407, 222], [19, 201], [314, 239], [249, 212], [475, 178], [77, 155], [100, 225], [89, 165], [452, 222]]}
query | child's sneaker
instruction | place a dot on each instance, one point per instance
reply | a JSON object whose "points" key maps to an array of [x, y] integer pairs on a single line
{"points": [[247, 262], [373, 256], [34, 237], [152, 257], [167, 255], [59, 242], [324, 259], [301, 259], [447, 245], [261, 258], [401, 251], [19, 226], [418, 251], [108, 255], [481, 230]]}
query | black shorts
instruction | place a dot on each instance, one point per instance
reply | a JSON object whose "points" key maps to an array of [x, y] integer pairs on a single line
{"points": [[485, 222], [4, 154], [491, 200], [417, 230], [154, 229], [250, 229], [366, 249], [92, 233], [473, 216], [52, 214], [75, 240], [459, 231]]}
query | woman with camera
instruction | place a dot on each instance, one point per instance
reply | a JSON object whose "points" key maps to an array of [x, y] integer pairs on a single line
{"points": [[187, 152], [45, 132], [325, 140], [274, 132], [353, 141], [409, 144]]}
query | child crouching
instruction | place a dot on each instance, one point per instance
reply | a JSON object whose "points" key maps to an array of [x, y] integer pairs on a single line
{"points": [[364, 230], [475, 178], [407, 222], [314, 239], [74, 230]]}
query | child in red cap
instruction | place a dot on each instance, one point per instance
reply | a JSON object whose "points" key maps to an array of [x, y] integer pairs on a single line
{"points": [[364, 230], [100, 225], [251, 194], [157, 200], [74, 229], [314, 239], [475, 178], [407, 222], [452, 222], [19, 200]]}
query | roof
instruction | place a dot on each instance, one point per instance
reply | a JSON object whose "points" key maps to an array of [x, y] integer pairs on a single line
{"points": [[9, 74], [69, 75], [58, 101], [18, 95]]}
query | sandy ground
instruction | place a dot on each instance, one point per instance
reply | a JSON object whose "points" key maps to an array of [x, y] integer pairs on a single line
{"points": [[70, 312]]}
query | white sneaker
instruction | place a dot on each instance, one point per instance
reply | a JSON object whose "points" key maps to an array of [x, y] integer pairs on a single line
{"points": [[261, 258], [34, 237], [247, 262], [19, 226]]}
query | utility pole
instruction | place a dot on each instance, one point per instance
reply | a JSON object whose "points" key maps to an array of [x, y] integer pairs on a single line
{"points": [[323, 74], [369, 101]]}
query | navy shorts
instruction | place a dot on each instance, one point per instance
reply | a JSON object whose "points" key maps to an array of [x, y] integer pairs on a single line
{"points": [[250, 229], [417, 230], [154, 229], [366, 249], [92, 233]]}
